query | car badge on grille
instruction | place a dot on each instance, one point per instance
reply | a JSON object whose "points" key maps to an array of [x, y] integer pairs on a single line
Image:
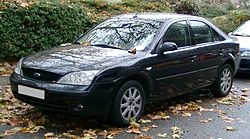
{"points": [[36, 74]]}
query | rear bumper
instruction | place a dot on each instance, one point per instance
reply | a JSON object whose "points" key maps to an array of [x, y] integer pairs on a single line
{"points": [[67, 98]]}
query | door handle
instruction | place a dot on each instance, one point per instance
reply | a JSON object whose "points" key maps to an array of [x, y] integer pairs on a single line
{"points": [[221, 52], [192, 58]]}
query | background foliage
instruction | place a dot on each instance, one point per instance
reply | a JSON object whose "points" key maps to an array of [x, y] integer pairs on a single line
{"points": [[28, 26], [232, 20], [30, 29], [31, 26]]}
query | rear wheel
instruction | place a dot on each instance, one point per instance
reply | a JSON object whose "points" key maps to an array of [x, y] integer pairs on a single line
{"points": [[223, 83], [129, 103]]}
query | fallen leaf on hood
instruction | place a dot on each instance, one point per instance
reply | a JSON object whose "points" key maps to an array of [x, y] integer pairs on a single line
{"points": [[162, 135], [229, 128]]}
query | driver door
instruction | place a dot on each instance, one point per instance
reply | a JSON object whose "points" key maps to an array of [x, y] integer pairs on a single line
{"points": [[174, 71]]}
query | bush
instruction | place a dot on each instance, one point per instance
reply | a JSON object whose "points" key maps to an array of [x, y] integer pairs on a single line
{"points": [[212, 10], [186, 7], [100, 10], [232, 20], [31, 28]]}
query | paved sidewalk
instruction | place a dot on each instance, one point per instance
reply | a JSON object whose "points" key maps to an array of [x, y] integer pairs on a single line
{"points": [[3, 81]]}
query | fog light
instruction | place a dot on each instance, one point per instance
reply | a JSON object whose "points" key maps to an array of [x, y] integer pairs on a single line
{"points": [[79, 108]]}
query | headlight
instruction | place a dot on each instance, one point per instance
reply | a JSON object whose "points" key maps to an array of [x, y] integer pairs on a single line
{"points": [[18, 69], [78, 78], [245, 54]]}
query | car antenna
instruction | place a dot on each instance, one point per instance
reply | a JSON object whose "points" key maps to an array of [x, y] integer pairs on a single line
{"points": [[135, 16]]}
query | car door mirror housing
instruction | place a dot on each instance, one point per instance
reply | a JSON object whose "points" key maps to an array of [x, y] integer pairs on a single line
{"points": [[166, 46]]}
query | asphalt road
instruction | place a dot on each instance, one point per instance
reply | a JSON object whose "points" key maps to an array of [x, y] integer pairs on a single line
{"points": [[236, 116]]}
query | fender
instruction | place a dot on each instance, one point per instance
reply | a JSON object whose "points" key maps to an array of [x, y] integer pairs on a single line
{"points": [[134, 74]]}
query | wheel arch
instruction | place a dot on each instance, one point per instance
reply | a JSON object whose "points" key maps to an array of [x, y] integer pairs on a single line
{"points": [[145, 81], [231, 61]]}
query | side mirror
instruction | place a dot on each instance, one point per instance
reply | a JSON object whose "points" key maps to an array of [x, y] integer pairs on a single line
{"points": [[166, 46]]}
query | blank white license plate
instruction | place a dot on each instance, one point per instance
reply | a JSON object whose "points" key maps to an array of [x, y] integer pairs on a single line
{"points": [[28, 91]]}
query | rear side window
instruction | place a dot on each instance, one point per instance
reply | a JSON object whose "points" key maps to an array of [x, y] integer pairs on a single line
{"points": [[202, 32], [217, 36], [178, 33]]}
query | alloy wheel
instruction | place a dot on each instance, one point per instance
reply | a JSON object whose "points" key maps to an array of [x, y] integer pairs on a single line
{"points": [[226, 80], [131, 103]]}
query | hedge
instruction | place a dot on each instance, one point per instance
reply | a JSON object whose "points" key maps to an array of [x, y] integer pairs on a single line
{"points": [[38, 26], [232, 20]]}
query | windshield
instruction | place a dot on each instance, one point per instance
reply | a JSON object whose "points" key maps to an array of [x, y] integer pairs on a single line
{"points": [[122, 33], [243, 30]]}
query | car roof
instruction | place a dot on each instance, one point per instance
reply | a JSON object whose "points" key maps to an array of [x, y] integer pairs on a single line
{"points": [[153, 16]]}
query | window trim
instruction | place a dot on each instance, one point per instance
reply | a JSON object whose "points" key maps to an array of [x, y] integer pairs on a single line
{"points": [[211, 31], [160, 42], [192, 32]]}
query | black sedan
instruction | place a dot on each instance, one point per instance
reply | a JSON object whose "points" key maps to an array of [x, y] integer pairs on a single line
{"points": [[127, 61]]}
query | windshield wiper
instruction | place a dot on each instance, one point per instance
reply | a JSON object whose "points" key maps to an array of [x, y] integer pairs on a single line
{"points": [[106, 46], [236, 34]]}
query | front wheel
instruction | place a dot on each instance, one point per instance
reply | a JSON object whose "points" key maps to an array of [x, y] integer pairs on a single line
{"points": [[223, 83], [129, 103]]}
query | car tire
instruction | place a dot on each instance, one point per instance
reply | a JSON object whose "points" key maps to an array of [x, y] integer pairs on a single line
{"points": [[224, 81], [128, 104]]}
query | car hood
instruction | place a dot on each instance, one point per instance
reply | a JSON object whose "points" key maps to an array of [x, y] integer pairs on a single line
{"points": [[244, 41], [76, 57]]}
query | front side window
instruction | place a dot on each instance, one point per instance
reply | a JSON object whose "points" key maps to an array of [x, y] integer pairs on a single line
{"points": [[178, 33], [123, 33], [201, 31]]}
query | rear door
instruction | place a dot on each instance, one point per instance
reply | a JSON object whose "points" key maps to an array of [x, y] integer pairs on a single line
{"points": [[208, 45]]}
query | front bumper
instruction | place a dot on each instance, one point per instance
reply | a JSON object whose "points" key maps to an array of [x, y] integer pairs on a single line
{"points": [[244, 65], [67, 98]]}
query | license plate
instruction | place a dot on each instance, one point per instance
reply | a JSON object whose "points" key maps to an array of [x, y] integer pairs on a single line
{"points": [[32, 92]]}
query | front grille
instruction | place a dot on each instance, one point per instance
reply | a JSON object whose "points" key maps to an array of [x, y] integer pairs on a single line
{"points": [[44, 75]]}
